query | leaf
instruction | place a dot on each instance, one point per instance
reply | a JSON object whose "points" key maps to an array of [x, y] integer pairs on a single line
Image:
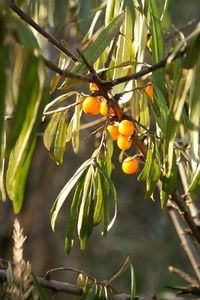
{"points": [[26, 36], [145, 172], [76, 124], [174, 118], [133, 283], [58, 100], [144, 111], [25, 135], [169, 183], [30, 88], [42, 295], [157, 46], [160, 109], [60, 140], [66, 190], [50, 130], [195, 181], [194, 117], [154, 173], [110, 6], [96, 48], [74, 213]]}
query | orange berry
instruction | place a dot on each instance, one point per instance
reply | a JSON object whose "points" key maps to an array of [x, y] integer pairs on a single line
{"points": [[113, 130], [91, 105], [130, 165], [149, 91], [104, 109], [123, 142], [126, 127], [93, 87]]}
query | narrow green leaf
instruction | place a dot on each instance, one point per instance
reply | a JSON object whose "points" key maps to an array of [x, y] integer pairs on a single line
{"points": [[20, 156], [96, 48], [157, 46], [74, 213], [169, 183], [109, 11], [60, 140], [194, 116], [160, 109], [174, 118], [26, 36], [133, 283], [30, 87], [41, 292], [195, 181], [76, 125], [98, 212], [49, 132], [144, 111], [66, 190], [145, 172]]}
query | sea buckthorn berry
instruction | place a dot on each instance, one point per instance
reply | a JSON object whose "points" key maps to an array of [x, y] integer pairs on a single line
{"points": [[123, 142], [126, 127], [149, 91], [104, 109], [113, 130], [91, 105], [93, 87], [130, 165]]}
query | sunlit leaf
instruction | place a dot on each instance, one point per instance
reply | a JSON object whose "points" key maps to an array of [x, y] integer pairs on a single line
{"points": [[157, 46], [49, 132], [174, 118], [95, 49], [66, 190], [76, 125], [24, 135], [74, 214], [60, 140]]}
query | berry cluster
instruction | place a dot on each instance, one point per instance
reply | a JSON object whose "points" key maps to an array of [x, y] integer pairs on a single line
{"points": [[119, 131]]}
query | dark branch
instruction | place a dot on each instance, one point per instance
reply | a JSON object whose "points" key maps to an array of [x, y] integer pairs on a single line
{"points": [[68, 288], [147, 70], [67, 74], [45, 34]]}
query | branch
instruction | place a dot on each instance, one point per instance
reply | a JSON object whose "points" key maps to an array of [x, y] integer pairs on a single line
{"points": [[186, 241], [66, 73], [147, 70], [45, 34], [68, 288]]}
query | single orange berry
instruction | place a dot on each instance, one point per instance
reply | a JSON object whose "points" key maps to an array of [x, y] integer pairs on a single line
{"points": [[130, 165], [126, 127], [123, 142], [149, 91], [93, 87], [113, 130], [91, 105], [104, 109]]}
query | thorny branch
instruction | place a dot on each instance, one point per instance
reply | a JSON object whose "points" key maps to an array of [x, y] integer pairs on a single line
{"points": [[68, 288]]}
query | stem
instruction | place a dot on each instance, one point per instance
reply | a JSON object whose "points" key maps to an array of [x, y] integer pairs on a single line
{"points": [[45, 34], [186, 241], [159, 65]]}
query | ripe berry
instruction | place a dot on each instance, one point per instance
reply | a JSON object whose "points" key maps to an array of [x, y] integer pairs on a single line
{"points": [[113, 130], [93, 87], [130, 165], [91, 105], [104, 109], [126, 127], [123, 142], [149, 91]]}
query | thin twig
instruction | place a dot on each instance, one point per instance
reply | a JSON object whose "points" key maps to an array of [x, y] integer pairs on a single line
{"points": [[44, 33], [186, 241], [66, 73], [183, 275], [145, 71]]}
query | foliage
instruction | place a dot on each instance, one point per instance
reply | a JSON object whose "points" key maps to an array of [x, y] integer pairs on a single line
{"points": [[123, 52]]}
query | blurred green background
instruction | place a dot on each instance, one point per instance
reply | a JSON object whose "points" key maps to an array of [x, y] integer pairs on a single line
{"points": [[142, 230]]}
